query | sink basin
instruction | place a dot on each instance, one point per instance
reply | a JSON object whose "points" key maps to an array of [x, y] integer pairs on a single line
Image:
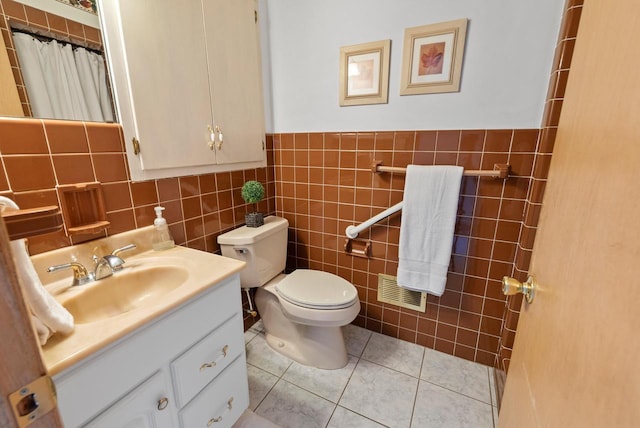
{"points": [[124, 292]]}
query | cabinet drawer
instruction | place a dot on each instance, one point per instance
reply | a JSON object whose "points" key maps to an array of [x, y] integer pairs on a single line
{"points": [[222, 401], [206, 359]]}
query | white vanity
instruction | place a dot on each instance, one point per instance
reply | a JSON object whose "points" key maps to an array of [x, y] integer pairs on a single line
{"points": [[169, 356]]}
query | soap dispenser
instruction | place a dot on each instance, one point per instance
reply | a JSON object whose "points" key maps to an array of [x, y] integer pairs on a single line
{"points": [[162, 239]]}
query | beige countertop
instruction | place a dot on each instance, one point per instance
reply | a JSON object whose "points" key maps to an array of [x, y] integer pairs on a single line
{"points": [[204, 270]]}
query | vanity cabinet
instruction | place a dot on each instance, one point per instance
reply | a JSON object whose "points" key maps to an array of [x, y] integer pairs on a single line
{"points": [[187, 83], [184, 369]]}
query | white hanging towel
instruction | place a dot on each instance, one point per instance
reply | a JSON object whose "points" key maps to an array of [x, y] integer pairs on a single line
{"points": [[47, 315], [430, 205]]}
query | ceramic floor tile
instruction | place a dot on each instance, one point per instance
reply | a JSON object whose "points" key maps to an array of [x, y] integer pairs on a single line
{"points": [[343, 418], [355, 338], [438, 407], [292, 407], [381, 394], [253, 331], [396, 354], [260, 354], [251, 420], [260, 383], [456, 374], [249, 335], [328, 384]]}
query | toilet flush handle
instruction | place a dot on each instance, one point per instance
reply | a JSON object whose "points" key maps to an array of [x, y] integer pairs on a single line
{"points": [[241, 250]]}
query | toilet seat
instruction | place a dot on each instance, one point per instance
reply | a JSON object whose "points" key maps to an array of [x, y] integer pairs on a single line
{"points": [[317, 290]]}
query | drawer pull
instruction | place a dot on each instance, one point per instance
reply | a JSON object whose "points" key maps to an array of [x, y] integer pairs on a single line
{"points": [[219, 418], [163, 403], [225, 351]]}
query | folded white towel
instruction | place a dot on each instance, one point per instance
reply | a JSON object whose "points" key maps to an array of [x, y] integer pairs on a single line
{"points": [[43, 306], [429, 212], [48, 316]]}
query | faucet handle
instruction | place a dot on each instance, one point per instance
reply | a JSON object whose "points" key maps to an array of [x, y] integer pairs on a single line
{"points": [[80, 274], [121, 249]]}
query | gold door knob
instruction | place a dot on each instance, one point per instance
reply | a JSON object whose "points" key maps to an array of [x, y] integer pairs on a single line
{"points": [[511, 286]]}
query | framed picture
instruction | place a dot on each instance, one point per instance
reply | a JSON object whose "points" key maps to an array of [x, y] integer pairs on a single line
{"points": [[432, 58], [364, 73]]}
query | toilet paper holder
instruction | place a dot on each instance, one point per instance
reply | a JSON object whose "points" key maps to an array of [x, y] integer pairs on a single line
{"points": [[358, 248]]}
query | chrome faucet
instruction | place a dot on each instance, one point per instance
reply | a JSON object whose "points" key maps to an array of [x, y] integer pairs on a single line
{"points": [[105, 266], [80, 274]]}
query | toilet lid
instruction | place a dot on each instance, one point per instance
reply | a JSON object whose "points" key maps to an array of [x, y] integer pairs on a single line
{"points": [[317, 289]]}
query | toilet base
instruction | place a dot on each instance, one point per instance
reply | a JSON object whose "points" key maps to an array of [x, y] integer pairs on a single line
{"points": [[313, 353], [316, 346]]}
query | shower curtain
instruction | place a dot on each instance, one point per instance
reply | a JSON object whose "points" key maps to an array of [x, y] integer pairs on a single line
{"points": [[63, 82]]}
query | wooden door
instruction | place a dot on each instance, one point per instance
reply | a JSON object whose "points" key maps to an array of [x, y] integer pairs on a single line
{"points": [[578, 344], [20, 362]]}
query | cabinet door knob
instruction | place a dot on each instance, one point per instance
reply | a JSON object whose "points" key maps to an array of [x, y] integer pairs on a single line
{"points": [[163, 403]]}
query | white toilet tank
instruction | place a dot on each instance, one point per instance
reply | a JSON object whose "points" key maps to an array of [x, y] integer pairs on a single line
{"points": [[263, 248]]}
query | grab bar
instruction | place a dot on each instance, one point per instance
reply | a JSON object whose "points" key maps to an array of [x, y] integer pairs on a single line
{"points": [[353, 231], [499, 171]]}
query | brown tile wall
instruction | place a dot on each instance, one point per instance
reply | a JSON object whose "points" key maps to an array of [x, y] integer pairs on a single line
{"points": [[324, 183], [37, 155], [13, 13]]}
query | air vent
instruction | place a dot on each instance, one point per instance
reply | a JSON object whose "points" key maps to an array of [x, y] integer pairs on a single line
{"points": [[389, 292]]}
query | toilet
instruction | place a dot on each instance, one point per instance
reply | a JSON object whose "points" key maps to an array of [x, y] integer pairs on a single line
{"points": [[303, 312]]}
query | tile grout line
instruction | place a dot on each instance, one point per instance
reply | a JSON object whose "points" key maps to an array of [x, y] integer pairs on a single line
{"points": [[415, 395]]}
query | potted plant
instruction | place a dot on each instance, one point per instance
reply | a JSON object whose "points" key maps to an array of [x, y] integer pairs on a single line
{"points": [[252, 193]]}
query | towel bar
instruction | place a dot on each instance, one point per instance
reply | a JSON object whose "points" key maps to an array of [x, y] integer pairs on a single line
{"points": [[500, 170]]}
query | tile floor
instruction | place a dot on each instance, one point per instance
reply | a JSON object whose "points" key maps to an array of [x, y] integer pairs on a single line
{"points": [[387, 383]]}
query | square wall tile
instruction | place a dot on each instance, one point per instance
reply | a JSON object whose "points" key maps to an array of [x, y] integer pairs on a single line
{"points": [[20, 136], [66, 136], [29, 172]]}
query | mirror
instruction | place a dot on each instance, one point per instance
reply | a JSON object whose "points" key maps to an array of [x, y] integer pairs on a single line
{"points": [[73, 23]]}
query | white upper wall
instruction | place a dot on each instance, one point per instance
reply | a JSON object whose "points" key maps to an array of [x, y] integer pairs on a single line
{"points": [[508, 56]]}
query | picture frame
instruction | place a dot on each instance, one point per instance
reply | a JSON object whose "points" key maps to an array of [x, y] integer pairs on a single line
{"points": [[364, 73], [432, 58]]}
